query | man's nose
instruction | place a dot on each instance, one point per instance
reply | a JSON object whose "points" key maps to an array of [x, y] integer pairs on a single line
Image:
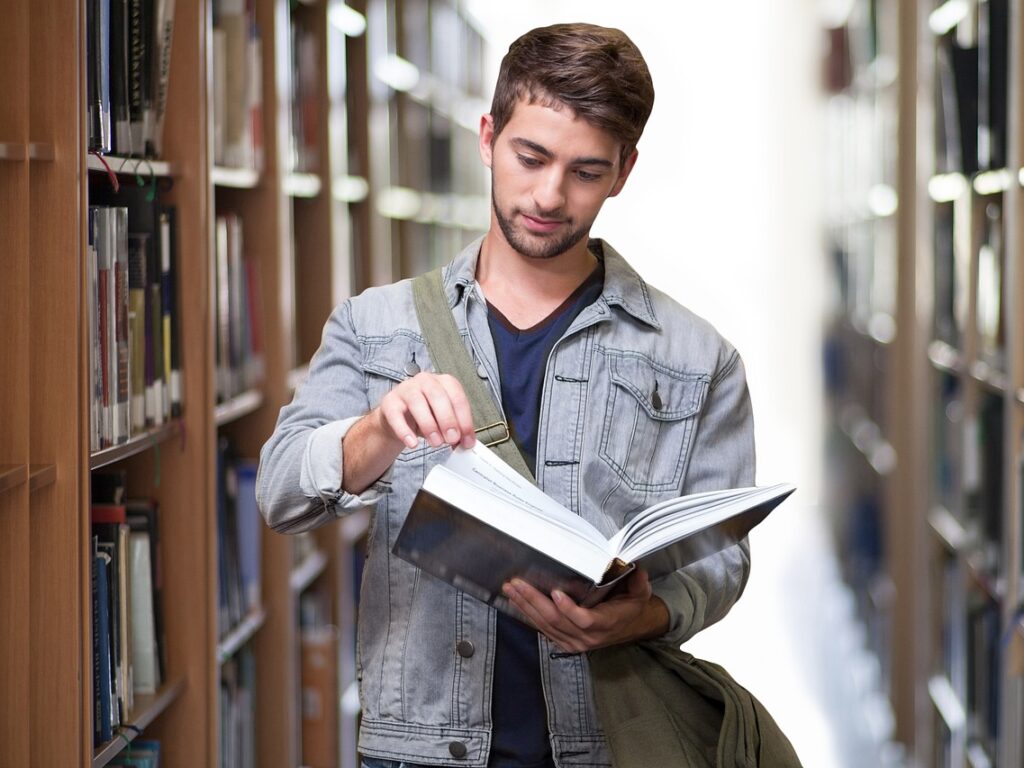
{"points": [[549, 195]]}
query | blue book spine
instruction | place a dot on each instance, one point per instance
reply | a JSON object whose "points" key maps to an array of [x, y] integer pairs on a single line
{"points": [[101, 650]]}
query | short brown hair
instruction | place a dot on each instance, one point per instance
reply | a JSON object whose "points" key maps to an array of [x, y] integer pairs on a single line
{"points": [[595, 71]]}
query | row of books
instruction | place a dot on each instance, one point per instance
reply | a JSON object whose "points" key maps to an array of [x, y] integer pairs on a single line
{"points": [[239, 533], [972, 64], [238, 710], [238, 350], [129, 653], [237, 86], [304, 96], [129, 54], [134, 343], [319, 694]]}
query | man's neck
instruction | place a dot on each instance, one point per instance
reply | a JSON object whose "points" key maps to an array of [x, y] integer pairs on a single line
{"points": [[526, 290]]}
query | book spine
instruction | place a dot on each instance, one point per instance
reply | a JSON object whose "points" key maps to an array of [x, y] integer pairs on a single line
{"points": [[95, 386], [137, 320], [166, 325], [164, 37], [136, 74], [123, 350], [119, 76], [145, 673]]}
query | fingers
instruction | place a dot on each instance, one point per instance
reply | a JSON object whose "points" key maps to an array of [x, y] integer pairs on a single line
{"points": [[430, 406], [551, 618], [575, 628]]}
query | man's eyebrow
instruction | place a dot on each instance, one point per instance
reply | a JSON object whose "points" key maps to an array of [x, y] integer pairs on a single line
{"points": [[544, 151]]}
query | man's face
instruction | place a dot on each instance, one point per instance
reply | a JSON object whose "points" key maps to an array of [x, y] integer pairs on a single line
{"points": [[550, 174]]}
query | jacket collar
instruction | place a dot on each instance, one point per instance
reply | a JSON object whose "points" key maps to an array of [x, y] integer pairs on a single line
{"points": [[623, 287]]}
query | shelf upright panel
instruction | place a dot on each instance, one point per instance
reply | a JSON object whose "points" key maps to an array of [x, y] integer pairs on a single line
{"points": [[1012, 703], [15, 683], [58, 575]]}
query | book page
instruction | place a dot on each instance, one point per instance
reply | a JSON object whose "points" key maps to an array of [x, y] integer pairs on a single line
{"points": [[482, 467]]}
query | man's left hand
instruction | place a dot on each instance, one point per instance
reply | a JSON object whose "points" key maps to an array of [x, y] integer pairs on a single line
{"points": [[635, 614]]}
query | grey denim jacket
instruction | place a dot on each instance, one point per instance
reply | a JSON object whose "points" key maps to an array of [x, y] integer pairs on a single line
{"points": [[605, 449]]}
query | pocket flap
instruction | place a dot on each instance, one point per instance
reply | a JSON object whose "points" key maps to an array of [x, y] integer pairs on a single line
{"points": [[391, 358], [679, 394]]}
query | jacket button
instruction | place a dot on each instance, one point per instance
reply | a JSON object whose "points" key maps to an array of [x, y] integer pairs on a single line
{"points": [[457, 749], [465, 649], [481, 371]]}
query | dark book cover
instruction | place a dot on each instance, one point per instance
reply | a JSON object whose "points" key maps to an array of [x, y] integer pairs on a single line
{"points": [[98, 74], [477, 558], [102, 730], [119, 77], [993, 65]]}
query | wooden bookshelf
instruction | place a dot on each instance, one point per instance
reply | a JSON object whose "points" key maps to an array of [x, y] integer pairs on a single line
{"points": [[947, 389], [313, 235], [147, 708]]}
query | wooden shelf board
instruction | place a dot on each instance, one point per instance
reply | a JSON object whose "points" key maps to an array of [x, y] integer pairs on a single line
{"points": [[350, 189], [40, 151], [135, 445], [350, 700], [354, 526], [948, 529], [948, 15], [237, 178], [945, 357], [989, 377], [947, 703], [147, 709], [977, 757], [866, 437], [947, 187], [41, 475], [237, 407], [995, 590], [993, 182], [13, 151], [305, 185], [240, 635], [12, 476], [297, 376], [131, 166], [306, 572]]}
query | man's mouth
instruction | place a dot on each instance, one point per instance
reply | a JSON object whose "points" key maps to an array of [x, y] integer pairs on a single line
{"points": [[541, 225]]}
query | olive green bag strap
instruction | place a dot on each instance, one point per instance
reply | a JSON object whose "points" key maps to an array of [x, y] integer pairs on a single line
{"points": [[449, 355]]}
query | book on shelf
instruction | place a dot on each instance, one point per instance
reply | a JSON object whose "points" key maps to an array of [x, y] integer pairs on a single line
{"points": [[102, 678], [133, 321], [238, 333], [474, 502], [237, 710], [993, 67], [320, 696], [127, 73], [98, 74], [140, 753], [239, 535], [237, 86]]}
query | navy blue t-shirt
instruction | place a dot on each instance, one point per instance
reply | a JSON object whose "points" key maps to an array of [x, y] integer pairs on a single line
{"points": [[518, 711]]}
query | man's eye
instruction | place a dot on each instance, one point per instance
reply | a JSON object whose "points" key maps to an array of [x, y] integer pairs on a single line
{"points": [[587, 176], [529, 162]]}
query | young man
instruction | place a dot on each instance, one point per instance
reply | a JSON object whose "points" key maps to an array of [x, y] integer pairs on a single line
{"points": [[616, 396]]}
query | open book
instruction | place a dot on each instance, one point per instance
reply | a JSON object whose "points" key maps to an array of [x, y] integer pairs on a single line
{"points": [[476, 523]]}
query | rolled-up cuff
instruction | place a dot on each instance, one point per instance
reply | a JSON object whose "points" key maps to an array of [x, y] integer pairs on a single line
{"points": [[322, 465]]}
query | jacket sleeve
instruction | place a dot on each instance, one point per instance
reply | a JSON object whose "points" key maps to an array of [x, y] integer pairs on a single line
{"points": [[722, 457], [298, 485]]}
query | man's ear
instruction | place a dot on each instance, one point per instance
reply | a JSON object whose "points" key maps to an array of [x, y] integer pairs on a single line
{"points": [[487, 139], [627, 168]]}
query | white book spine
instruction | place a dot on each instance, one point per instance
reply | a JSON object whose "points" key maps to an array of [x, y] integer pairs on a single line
{"points": [[145, 669]]}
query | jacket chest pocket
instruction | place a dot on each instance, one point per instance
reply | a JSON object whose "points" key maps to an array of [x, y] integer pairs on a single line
{"points": [[649, 421], [386, 365]]}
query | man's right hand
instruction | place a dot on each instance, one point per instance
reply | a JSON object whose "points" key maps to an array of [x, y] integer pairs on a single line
{"points": [[428, 405]]}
